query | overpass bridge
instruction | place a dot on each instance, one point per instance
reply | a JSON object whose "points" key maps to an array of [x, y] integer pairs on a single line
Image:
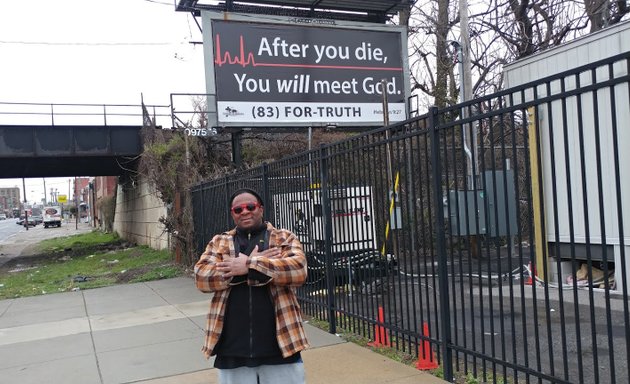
{"points": [[65, 140], [81, 150], [50, 140]]}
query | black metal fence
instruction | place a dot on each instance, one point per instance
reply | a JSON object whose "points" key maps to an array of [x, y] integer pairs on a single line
{"points": [[487, 237]]}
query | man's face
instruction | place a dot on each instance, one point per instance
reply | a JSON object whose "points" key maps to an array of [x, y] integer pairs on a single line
{"points": [[246, 219]]}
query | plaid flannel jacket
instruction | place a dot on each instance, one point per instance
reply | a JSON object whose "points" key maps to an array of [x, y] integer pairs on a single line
{"points": [[287, 272]]}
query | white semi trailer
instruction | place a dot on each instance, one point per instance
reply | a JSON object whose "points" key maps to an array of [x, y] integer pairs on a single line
{"points": [[583, 121], [352, 233]]}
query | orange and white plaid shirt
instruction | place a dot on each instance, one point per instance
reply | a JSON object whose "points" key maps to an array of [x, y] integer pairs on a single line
{"points": [[286, 271]]}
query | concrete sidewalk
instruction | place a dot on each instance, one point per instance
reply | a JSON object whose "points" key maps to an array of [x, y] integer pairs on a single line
{"points": [[150, 333]]}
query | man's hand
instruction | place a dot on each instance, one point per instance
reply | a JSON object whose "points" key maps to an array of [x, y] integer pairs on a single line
{"points": [[268, 253], [238, 266]]}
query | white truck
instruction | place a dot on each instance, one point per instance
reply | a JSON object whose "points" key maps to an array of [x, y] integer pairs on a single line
{"points": [[52, 216]]}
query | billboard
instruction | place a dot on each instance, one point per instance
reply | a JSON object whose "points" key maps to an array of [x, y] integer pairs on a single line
{"points": [[283, 74]]}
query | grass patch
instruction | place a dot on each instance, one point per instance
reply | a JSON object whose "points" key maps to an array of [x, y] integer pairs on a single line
{"points": [[80, 267], [78, 243]]}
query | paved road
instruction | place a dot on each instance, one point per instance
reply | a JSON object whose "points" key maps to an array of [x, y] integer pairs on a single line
{"points": [[8, 228]]}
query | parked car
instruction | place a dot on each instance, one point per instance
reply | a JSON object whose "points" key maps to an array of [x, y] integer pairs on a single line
{"points": [[31, 222], [36, 219], [3, 216]]}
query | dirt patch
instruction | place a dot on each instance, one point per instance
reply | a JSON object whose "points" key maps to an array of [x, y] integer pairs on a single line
{"points": [[27, 261], [131, 274], [31, 259], [25, 243], [134, 253]]}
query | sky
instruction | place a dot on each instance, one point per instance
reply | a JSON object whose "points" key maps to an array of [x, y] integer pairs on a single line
{"points": [[95, 51]]}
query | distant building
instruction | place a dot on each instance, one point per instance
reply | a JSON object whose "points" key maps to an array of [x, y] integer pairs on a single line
{"points": [[81, 190], [10, 200], [100, 187]]}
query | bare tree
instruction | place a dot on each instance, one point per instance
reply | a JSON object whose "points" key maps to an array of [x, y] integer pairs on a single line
{"points": [[500, 31], [431, 63], [603, 13]]}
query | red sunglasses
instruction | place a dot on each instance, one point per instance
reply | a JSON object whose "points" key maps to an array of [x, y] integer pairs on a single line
{"points": [[238, 209]]}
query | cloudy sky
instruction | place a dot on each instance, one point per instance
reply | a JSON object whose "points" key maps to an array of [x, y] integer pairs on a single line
{"points": [[95, 51]]}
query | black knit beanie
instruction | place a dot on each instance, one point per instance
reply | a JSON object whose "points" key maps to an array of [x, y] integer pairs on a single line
{"points": [[245, 190]]}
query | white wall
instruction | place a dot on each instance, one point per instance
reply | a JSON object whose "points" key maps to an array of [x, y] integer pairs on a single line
{"points": [[597, 113], [584, 50], [138, 210]]}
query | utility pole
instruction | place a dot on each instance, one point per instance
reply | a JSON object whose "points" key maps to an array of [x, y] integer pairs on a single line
{"points": [[25, 211], [45, 199], [466, 84], [24, 189], [470, 140], [76, 205]]}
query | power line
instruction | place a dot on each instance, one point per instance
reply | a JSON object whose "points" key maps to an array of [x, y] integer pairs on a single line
{"points": [[113, 44], [159, 2]]}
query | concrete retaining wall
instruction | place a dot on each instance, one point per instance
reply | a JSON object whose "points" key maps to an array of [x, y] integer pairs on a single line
{"points": [[138, 210]]}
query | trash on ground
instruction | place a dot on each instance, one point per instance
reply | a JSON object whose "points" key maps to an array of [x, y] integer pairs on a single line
{"points": [[581, 277]]}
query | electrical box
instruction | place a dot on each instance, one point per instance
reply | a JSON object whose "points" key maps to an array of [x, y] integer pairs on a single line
{"points": [[501, 202], [467, 212]]}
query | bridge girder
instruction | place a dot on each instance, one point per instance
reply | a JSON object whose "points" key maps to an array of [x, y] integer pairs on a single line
{"points": [[68, 150]]}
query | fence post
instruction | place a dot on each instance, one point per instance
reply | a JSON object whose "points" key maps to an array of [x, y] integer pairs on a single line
{"points": [[201, 197], [445, 319], [228, 217], [265, 186], [326, 210]]}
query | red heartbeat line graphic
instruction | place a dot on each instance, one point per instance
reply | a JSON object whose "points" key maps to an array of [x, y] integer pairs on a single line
{"points": [[244, 60], [227, 57]]}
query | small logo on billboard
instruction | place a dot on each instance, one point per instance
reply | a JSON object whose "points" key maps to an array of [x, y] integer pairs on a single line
{"points": [[229, 111], [304, 20]]}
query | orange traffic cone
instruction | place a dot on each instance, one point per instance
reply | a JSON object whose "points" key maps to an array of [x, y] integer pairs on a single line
{"points": [[426, 360], [532, 274], [380, 333]]}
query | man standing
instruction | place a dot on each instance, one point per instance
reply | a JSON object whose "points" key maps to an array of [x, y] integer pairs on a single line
{"points": [[254, 322]]}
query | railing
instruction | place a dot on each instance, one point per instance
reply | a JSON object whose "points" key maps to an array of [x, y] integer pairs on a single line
{"points": [[185, 110], [504, 260], [19, 113]]}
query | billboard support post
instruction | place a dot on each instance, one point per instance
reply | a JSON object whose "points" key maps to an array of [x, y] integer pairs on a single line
{"points": [[237, 153]]}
